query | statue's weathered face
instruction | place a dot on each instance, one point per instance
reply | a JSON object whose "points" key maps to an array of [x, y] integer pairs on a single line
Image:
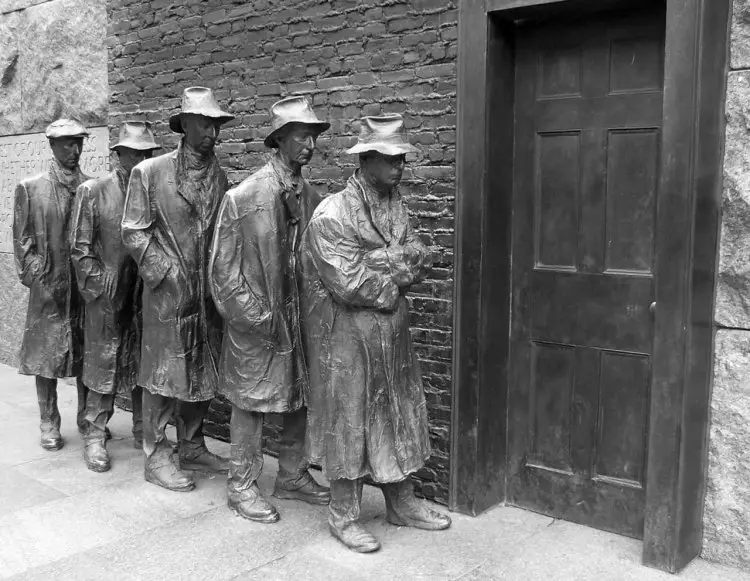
{"points": [[297, 143], [129, 158], [201, 132], [67, 150], [384, 171]]}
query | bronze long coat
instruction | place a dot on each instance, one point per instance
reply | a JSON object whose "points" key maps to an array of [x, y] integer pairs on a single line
{"points": [[52, 340], [255, 280], [110, 360], [169, 237], [366, 407]]}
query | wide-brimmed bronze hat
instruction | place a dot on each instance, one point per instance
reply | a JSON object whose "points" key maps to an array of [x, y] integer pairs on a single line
{"points": [[198, 101], [292, 110], [136, 135], [385, 134], [65, 128]]}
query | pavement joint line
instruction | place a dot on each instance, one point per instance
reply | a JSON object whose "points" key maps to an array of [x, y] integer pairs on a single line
{"points": [[259, 566], [472, 570]]}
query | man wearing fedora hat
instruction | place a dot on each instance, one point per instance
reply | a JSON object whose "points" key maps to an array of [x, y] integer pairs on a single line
{"points": [[255, 277], [52, 339], [169, 217], [367, 414], [108, 280]]}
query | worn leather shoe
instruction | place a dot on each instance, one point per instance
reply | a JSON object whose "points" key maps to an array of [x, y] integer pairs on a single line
{"points": [[415, 513], [202, 459], [163, 472], [355, 537], [96, 456], [303, 488], [251, 505], [51, 439]]}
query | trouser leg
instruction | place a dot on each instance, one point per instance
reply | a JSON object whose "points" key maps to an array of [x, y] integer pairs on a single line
{"points": [[346, 499], [99, 410], [246, 436], [190, 423], [292, 458], [343, 516], [137, 404], [192, 444], [81, 411], [46, 393], [157, 411], [160, 468]]}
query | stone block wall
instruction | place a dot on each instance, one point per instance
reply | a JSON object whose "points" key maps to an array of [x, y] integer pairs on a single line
{"points": [[727, 510], [53, 63], [353, 58]]}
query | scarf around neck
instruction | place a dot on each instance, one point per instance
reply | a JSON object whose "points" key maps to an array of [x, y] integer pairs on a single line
{"points": [[199, 179], [122, 175], [69, 179], [291, 186], [380, 206]]}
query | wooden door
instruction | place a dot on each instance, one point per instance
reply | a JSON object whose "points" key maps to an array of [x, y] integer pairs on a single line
{"points": [[586, 161]]}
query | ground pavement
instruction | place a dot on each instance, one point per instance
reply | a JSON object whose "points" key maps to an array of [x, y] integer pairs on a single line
{"points": [[58, 520]]}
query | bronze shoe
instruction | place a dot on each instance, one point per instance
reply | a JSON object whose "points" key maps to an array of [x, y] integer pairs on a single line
{"points": [[51, 439], [251, 505], [355, 537], [304, 488], [202, 459], [96, 456], [415, 513], [162, 472]]}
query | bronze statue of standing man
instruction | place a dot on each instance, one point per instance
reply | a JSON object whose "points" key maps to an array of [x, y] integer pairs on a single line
{"points": [[108, 280], [53, 337], [169, 218], [367, 411], [255, 277]]}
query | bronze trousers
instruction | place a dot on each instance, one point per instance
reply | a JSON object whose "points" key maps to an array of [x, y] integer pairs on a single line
{"points": [[46, 393], [246, 434], [158, 410]]}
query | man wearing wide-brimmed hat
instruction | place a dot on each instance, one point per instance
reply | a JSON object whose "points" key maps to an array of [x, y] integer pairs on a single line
{"points": [[52, 340], [108, 280], [255, 277], [169, 218], [366, 410]]}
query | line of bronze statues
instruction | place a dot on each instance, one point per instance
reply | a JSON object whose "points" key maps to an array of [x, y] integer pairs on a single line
{"points": [[156, 280]]}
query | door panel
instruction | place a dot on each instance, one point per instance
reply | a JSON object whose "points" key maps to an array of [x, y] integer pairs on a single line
{"points": [[588, 118]]}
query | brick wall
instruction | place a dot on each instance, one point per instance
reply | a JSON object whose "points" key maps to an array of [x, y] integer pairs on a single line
{"points": [[353, 58]]}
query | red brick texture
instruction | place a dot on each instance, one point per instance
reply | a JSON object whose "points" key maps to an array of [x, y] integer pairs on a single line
{"points": [[353, 58]]}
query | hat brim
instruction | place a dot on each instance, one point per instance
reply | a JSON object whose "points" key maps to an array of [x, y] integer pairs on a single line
{"points": [[384, 148], [64, 135], [270, 140], [137, 146], [176, 126]]}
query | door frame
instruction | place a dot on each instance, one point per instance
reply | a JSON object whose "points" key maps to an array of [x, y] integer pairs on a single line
{"points": [[688, 223]]}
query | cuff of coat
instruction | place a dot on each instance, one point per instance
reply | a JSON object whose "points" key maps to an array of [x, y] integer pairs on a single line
{"points": [[387, 298]]}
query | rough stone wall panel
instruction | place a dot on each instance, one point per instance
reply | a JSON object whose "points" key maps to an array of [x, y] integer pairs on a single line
{"points": [[727, 508], [351, 58], [726, 523]]}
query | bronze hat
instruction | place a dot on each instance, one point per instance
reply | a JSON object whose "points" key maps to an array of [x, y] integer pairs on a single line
{"points": [[292, 110], [65, 128], [136, 135], [198, 101], [386, 135]]}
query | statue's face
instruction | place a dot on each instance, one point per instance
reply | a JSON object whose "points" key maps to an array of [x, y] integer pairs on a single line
{"points": [[297, 143], [67, 150], [201, 132], [129, 158], [384, 170]]}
